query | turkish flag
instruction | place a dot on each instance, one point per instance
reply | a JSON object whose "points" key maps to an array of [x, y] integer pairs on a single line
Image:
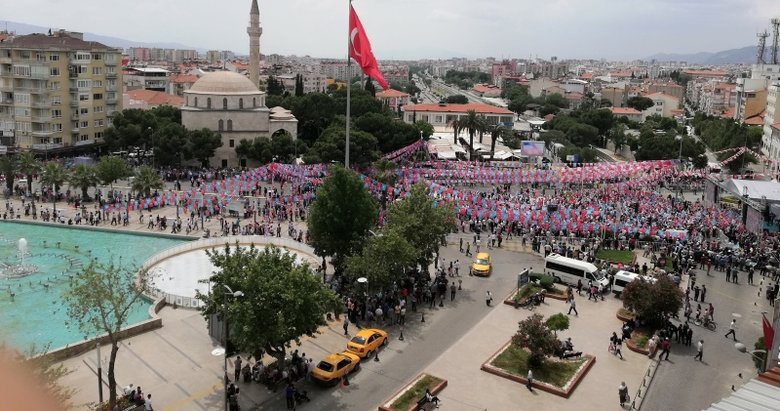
{"points": [[769, 333], [360, 49]]}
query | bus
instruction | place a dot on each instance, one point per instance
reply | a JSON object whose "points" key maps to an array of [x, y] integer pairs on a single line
{"points": [[569, 271], [622, 278]]}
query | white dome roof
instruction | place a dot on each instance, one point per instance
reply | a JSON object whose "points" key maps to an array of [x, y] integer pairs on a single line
{"points": [[223, 83]]}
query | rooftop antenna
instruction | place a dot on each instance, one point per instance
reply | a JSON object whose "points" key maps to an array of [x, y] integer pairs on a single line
{"points": [[761, 46], [775, 31]]}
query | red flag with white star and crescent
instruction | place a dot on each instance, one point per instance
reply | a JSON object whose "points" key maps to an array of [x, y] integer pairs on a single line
{"points": [[360, 49]]}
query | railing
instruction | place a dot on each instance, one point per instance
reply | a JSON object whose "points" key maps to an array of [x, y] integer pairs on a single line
{"points": [[260, 241], [647, 379]]}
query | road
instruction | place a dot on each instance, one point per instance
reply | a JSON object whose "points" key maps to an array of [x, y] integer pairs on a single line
{"points": [[696, 385], [402, 360]]}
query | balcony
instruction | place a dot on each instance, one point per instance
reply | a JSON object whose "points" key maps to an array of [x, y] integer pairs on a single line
{"points": [[84, 142], [39, 104], [111, 100], [6, 60], [110, 75], [41, 119], [6, 102], [42, 133], [74, 117]]}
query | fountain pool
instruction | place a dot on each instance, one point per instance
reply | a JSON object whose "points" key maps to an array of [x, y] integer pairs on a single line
{"points": [[36, 262]]}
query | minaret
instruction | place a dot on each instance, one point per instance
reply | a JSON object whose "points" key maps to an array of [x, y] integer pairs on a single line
{"points": [[254, 30]]}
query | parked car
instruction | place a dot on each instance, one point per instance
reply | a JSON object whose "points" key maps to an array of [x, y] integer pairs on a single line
{"points": [[334, 367], [367, 341]]}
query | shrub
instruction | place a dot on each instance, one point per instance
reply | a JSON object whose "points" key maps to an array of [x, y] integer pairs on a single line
{"points": [[545, 280]]}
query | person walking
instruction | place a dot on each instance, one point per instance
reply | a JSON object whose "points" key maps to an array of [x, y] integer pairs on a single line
{"points": [[732, 330], [461, 245], [573, 307], [453, 290], [237, 372], [148, 403], [289, 395], [618, 346], [468, 251], [666, 347], [623, 393], [346, 325], [699, 351], [703, 292], [530, 381], [488, 298]]}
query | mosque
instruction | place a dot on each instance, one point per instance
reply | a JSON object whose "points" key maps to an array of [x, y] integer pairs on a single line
{"points": [[233, 106]]}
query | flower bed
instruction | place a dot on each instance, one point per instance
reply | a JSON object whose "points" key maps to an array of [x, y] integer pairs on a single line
{"points": [[406, 399], [559, 377]]}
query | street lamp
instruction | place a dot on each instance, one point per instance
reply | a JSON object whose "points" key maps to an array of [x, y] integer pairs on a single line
{"points": [[743, 349], [234, 294]]}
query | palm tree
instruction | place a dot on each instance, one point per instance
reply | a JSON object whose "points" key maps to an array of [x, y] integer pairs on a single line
{"points": [[29, 166], [146, 179], [484, 127], [496, 131], [383, 171], [473, 123], [83, 177], [456, 127], [53, 176], [8, 168]]}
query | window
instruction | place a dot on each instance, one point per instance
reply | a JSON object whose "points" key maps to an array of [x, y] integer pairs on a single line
{"points": [[54, 71], [55, 85], [56, 100], [84, 137], [84, 97], [97, 70], [565, 269], [99, 123], [224, 104], [54, 57], [82, 69], [57, 140], [232, 142], [221, 125], [84, 124], [97, 56], [99, 134], [254, 102], [208, 104], [97, 96], [438, 119], [196, 102], [84, 83], [224, 162], [84, 110], [230, 125], [97, 109], [56, 113], [97, 83], [21, 71], [241, 104], [56, 127]]}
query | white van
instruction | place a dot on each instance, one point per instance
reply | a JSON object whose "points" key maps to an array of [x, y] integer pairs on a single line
{"points": [[569, 271], [622, 278]]}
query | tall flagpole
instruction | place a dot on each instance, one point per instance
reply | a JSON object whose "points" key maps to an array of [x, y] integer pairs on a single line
{"points": [[349, 86]]}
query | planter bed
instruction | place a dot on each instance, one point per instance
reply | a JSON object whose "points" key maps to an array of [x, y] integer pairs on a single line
{"points": [[406, 398]]}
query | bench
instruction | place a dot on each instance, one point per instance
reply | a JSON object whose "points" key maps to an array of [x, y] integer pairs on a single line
{"points": [[424, 405]]}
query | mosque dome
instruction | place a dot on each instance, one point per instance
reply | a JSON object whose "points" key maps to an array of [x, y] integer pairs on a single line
{"points": [[223, 83]]}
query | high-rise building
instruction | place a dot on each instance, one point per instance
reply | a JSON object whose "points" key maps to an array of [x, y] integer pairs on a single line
{"points": [[57, 90]]}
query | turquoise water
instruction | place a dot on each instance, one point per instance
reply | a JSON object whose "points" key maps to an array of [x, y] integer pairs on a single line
{"points": [[36, 314]]}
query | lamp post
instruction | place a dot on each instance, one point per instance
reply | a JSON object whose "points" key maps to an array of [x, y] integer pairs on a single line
{"points": [[743, 349], [234, 294]]}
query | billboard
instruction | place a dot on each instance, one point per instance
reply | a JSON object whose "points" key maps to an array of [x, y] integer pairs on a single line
{"points": [[532, 148]]}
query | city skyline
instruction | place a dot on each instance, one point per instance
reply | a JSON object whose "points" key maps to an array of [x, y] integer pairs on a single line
{"points": [[407, 29]]}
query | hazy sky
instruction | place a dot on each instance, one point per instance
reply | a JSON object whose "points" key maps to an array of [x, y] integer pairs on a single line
{"points": [[612, 29]]}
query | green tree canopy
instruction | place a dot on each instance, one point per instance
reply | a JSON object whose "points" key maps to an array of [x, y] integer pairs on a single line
{"points": [[534, 335], [9, 166], [457, 99], [83, 177], [640, 103], [384, 260], [146, 179], [341, 216], [100, 300], [54, 175], [655, 301], [203, 144], [29, 166], [282, 299], [330, 147], [109, 169]]}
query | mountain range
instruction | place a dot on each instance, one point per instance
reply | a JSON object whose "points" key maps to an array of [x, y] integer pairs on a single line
{"points": [[744, 55], [22, 28]]}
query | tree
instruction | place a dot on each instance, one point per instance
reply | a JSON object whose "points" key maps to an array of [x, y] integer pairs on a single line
{"points": [[100, 300], [341, 216], [640, 103], [496, 131], [533, 335], [29, 166], [203, 144], [583, 135], [457, 99], [424, 225], [455, 124], [602, 119], [557, 100], [370, 88], [274, 87], [146, 179], [474, 124], [53, 176], [8, 168], [330, 147], [282, 300], [557, 322], [384, 260], [110, 169], [171, 144], [83, 177], [314, 112], [298, 85], [425, 127], [653, 302]]}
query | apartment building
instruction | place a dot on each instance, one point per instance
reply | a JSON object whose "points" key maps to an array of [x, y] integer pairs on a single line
{"points": [[146, 78], [761, 75], [664, 105], [57, 91], [770, 140], [441, 115]]}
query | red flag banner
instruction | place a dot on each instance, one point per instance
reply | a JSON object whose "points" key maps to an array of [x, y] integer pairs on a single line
{"points": [[360, 49], [769, 333]]}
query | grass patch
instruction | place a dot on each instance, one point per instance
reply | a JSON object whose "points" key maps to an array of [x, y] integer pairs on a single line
{"points": [[625, 257], [413, 394], [514, 360], [640, 337]]}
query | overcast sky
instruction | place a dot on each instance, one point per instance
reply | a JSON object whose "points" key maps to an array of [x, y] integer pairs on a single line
{"points": [[612, 29]]}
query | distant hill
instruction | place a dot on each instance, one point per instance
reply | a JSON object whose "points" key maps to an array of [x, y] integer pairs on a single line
{"points": [[22, 28], [744, 55]]}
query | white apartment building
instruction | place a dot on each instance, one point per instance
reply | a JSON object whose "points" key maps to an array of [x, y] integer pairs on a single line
{"points": [[760, 77], [770, 140]]}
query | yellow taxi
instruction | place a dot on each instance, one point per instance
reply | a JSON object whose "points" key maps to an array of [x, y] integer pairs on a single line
{"points": [[367, 341], [335, 366], [482, 265]]}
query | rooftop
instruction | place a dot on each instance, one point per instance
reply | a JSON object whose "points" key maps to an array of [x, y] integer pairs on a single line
{"points": [[60, 41], [223, 83], [390, 93], [457, 108], [624, 110], [155, 98]]}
